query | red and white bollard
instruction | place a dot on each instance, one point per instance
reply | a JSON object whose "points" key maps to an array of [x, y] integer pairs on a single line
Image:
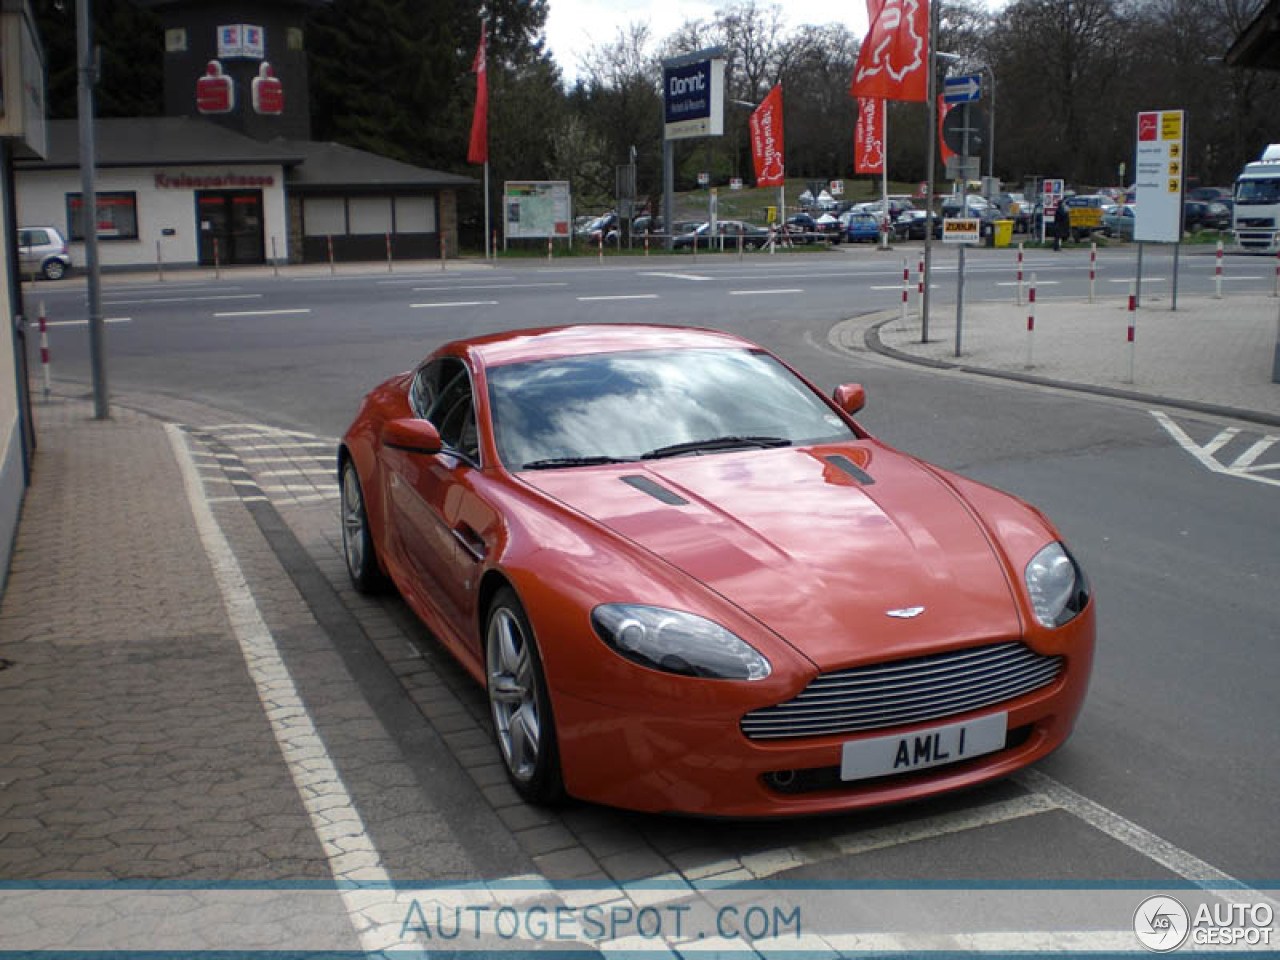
{"points": [[1019, 274], [44, 349], [1093, 269], [920, 283], [1276, 292], [332, 267], [646, 243], [1031, 319], [1133, 322], [548, 249], [389, 251], [906, 287], [1217, 274], [493, 244], [444, 250], [600, 253]]}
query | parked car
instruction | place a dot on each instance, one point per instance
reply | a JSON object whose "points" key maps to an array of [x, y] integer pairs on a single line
{"points": [[1117, 221], [1209, 194], [911, 225], [606, 225], [861, 226], [41, 250], [727, 231], [1197, 216], [646, 224], [802, 228], [654, 544]]}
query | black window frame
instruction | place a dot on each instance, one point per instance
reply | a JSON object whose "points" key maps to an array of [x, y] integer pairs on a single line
{"points": [[76, 200], [438, 393]]}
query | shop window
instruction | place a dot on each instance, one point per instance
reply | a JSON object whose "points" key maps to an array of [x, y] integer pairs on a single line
{"points": [[369, 214], [117, 216], [415, 215], [324, 216]]}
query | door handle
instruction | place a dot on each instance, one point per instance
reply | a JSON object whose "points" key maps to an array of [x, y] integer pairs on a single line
{"points": [[471, 542]]}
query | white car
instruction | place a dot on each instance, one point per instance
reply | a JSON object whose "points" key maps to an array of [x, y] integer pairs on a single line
{"points": [[42, 250]]}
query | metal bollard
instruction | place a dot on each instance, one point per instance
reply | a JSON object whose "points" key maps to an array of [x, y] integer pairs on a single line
{"points": [[1031, 320]]}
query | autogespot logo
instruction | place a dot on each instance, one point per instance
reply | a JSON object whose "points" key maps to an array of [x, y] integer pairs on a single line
{"points": [[1161, 924]]}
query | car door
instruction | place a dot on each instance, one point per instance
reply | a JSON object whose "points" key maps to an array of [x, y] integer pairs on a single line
{"points": [[442, 526]]}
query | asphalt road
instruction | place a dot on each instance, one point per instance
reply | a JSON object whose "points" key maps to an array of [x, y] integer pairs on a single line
{"points": [[1179, 733]]}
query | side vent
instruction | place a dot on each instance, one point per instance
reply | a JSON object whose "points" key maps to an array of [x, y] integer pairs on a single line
{"points": [[656, 490], [851, 468]]}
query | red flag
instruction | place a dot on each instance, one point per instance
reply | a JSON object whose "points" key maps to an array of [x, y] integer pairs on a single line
{"points": [[893, 62], [478, 152], [943, 109], [868, 136], [766, 141]]}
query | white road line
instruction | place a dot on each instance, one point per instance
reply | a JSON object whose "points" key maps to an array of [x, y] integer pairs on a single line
{"points": [[1132, 279], [625, 296], [261, 313], [457, 303], [1220, 441], [489, 286], [1171, 857], [1027, 283], [674, 276], [334, 817], [227, 296], [85, 323], [764, 293]]}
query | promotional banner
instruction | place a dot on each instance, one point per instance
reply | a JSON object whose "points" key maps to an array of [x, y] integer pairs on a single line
{"points": [[943, 109], [893, 60], [868, 136], [478, 151], [766, 141]]}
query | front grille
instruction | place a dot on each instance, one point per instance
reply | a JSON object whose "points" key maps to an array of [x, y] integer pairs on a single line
{"points": [[903, 692]]}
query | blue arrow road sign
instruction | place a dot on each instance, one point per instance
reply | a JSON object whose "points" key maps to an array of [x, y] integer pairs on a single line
{"points": [[962, 89]]}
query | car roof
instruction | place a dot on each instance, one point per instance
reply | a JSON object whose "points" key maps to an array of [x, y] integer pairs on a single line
{"points": [[549, 343]]}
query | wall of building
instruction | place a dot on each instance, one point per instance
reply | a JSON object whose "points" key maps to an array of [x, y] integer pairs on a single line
{"points": [[42, 201], [12, 479]]}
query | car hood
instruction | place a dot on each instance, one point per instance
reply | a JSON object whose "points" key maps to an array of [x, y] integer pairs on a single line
{"points": [[817, 543]]}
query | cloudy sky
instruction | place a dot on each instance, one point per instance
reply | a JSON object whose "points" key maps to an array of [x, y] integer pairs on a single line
{"points": [[574, 26]]}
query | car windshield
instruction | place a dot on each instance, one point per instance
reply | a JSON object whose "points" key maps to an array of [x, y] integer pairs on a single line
{"points": [[622, 406], [1258, 191]]}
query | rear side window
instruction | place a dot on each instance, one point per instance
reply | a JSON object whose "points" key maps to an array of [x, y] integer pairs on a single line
{"points": [[35, 238]]}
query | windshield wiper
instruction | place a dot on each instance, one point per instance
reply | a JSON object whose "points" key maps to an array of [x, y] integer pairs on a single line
{"points": [[715, 443], [550, 463]]}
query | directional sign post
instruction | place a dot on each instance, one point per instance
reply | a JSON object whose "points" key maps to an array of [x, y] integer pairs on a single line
{"points": [[962, 89]]}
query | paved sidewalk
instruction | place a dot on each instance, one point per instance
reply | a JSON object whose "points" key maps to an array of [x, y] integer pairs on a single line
{"points": [[1210, 354]]}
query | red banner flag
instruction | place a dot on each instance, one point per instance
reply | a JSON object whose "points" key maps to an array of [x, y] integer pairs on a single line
{"points": [[893, 62], [766, 141], [943, 109], [478, 152], [868, 136]]}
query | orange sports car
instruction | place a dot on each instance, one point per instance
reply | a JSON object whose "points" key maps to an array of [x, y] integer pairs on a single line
{"points": [[690, 582]]}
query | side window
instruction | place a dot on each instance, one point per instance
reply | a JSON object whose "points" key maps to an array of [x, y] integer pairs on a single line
{"points": [[423, 389], [452, 409]]}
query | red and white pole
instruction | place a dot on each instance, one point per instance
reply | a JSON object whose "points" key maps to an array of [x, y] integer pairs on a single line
{"points": [[1217, 274], [44, 349], [646, 243], [388, 251], [601, 247], [1276, 292], [1019, 274], [548, 249], [444, 250], [920, 283], [1031, 319], [906, 287], [332, 268], [1133, 322], [1093, 269]]}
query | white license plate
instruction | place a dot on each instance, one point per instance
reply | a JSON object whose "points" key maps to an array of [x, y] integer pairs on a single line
{"points": [[935, 747]]}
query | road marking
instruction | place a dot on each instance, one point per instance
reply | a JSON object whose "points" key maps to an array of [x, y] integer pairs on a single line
{"points": [[1171, 857], [85, 323], [337, 823], [675, 276], [1134, 279], [765, 293], [261, 313], [488, 286], [225, 296], [456, 303], [1027, 283], [625, 296], [1205, 453]]}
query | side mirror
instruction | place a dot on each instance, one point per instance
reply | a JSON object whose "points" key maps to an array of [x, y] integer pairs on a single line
{"points": [[415, 436], [850, 397]]}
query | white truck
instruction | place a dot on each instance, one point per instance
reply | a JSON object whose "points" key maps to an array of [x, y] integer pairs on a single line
{"points": [[1257, 203]]}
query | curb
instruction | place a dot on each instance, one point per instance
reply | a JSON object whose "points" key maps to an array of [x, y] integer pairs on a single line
{"points": [[871, 338]]}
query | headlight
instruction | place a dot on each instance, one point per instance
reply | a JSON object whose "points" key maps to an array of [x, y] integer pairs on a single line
{"points": [[1057, 586], [676, 642]]}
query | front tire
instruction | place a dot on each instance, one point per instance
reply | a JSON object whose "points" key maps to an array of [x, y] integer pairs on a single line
{"points": [[357, 541], [523, 725]]}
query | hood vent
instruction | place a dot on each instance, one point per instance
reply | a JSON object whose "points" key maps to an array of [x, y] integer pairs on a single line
{"points": [[851, 468], [656, 490]]}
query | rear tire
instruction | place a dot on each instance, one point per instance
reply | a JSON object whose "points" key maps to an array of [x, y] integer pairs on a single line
{"points": [[519, 703], [54, 269]]}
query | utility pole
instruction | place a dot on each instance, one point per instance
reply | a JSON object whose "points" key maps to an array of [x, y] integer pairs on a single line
{"points": [[89, 208]]}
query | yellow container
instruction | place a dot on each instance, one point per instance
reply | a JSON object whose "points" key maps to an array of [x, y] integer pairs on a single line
{"points": [[1004, 232]]}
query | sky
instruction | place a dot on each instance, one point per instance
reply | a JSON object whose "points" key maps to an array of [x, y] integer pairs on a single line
{"points": [[575, 26]]}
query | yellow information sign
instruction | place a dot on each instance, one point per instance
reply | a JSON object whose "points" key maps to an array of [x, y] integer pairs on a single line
{"points": [[1171, 125]]}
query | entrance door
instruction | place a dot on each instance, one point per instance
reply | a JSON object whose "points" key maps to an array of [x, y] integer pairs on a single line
{"points": [[232, 219]]}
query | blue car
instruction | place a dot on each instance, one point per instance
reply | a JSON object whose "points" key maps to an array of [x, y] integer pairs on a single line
{"points": [[862, 226]]}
